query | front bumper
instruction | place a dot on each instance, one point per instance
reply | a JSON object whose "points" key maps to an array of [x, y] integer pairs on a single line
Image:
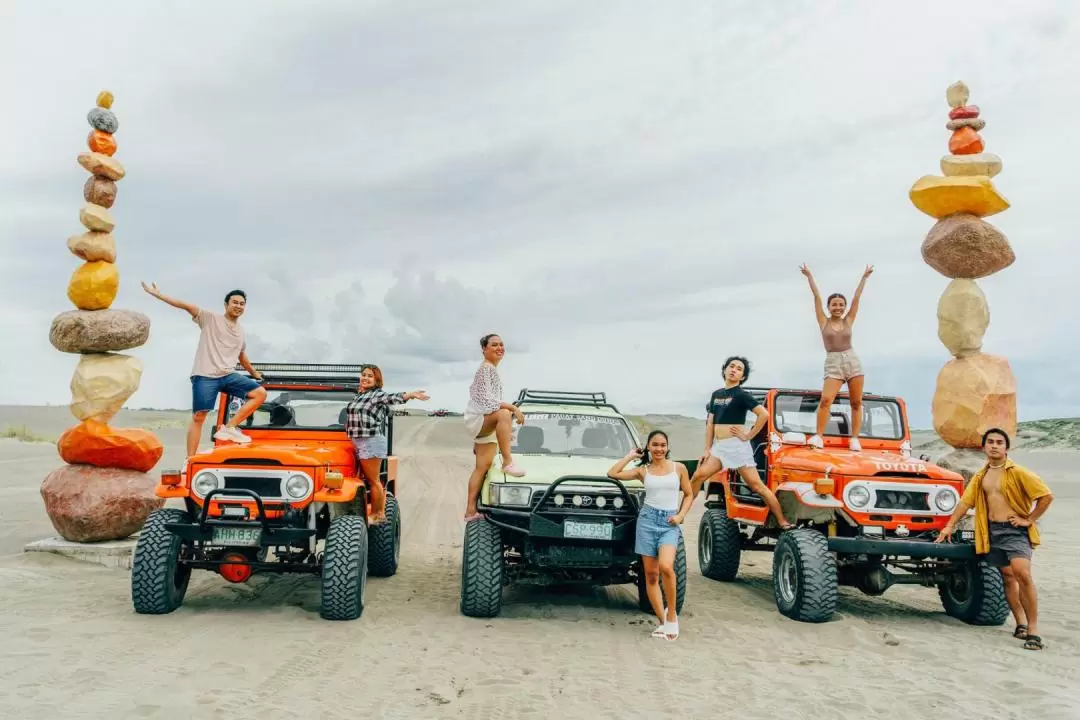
{"points": [[915, 549], [272, 535]]}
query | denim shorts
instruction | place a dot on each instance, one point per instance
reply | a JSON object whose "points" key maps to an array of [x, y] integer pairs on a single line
{"points": [[368, 448], [204, 390], [654, 530]]}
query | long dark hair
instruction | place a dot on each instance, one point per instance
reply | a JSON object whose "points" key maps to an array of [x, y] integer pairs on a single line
{"points": [[645, 459]]}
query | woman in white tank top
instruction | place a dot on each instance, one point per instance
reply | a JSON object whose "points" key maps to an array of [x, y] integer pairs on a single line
{"points": [[658, 523]]}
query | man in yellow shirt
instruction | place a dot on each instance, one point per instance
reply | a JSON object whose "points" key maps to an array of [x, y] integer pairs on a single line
{"points": [[1002, 494]]}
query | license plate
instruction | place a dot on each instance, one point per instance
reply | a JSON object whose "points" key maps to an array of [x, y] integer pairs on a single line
{"points": [[587, 530], [237, 535]]}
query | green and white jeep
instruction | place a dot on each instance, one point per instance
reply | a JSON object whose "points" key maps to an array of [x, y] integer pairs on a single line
{"points": [[565, 522]]}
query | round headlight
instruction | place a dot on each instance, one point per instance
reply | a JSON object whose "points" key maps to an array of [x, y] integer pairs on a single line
{"points": [[577, 500], [617, 502], [858, 496], [298, 486], [204, 483], [559, 499], [945, 500], [601, 501]]}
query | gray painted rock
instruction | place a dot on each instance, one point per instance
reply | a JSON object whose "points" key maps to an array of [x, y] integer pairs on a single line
{"points": [[103, 120], [98, 331]]}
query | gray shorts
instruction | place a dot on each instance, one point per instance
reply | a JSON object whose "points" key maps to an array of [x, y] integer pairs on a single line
{"points": [[1007, 542]]}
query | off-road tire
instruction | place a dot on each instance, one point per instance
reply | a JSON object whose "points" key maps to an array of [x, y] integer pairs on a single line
{"points": [[344, 570], [384, 541], [481, 570], [804, 576], [158, 580], [680, 582], [981, 600], [719, 545]]}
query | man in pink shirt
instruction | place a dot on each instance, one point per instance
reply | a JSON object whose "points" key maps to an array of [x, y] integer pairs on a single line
{"points": [[222, 345]]}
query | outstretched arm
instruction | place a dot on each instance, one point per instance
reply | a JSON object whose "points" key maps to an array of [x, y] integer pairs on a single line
{"points": [[153, 290], [818, 311], [854, 308], [403, 397]]}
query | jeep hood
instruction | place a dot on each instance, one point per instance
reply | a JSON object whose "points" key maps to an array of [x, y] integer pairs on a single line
{"points": [[250, 455], [867, 463], [546, 469]]}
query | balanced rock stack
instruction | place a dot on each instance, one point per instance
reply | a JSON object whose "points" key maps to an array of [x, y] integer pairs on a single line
{"points": [[975, 391], [104, 492]]}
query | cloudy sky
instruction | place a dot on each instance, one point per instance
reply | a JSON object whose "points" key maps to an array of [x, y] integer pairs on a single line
{"points": [[624, 191]]}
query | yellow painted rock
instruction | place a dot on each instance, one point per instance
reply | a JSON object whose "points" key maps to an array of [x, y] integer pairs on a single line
{"points": [[974, 394], [105, 99], [963, 317], [96, 218], [102, 384], [94, 285], [93, 246], [939, 196], [987, 164], [102, 165]]}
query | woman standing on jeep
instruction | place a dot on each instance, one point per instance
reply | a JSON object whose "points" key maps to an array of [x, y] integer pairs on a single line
{"points": [[658, 523], [365, 424], [841, 363], [488, 419]]}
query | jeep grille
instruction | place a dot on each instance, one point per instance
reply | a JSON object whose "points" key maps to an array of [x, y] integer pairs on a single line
{"points": [[268, 487], [901, 500]]}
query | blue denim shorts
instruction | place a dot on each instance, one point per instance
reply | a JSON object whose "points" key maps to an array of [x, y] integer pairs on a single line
{"points": [[204, 390], [653, 530], [369, 448]]}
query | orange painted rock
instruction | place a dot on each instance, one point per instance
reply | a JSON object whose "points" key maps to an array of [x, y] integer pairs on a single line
{"points": [[94, 285], [101, 142], [95, 443], [965, 141], [91, 504], [100, 191], [964, 111], [974, 394]]}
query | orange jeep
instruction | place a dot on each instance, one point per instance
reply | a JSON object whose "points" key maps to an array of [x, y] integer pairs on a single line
{"points": [[865, 519], [288, 501]]}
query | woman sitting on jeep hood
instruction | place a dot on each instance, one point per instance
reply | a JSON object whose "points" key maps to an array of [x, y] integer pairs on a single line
{"points": [[658, 523], [841, 363], [365, 424]]}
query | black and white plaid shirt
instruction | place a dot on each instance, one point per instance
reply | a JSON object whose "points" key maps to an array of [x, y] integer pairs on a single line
{"points": [[367, 412]]}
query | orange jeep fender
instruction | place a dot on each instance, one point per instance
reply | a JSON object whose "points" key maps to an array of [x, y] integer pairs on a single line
{"points": [[808, 495]]}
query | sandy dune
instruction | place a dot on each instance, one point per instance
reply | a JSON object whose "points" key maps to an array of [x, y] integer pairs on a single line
{"points": [[73, 648]]}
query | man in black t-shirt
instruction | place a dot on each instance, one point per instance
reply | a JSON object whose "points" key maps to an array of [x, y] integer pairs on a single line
{"points": [[727, 441]]}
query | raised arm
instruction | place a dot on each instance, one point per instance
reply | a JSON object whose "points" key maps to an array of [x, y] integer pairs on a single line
{"points": [[818, 311], [618, 471], [853, 309], [152, 289]]}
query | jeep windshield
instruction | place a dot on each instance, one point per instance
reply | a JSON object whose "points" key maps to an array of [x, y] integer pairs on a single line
{"points": [[297, 410], [882, 419], [546, 433]]}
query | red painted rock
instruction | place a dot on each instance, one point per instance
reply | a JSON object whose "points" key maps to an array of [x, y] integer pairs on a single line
{"points": [[94, 443], [92, 504], [964, 111], [965, 141]]}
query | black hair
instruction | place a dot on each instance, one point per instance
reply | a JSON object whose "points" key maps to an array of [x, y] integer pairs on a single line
{"points": [[745, 364], [996, 431], [835, 295], [645, 459], [235, 292], [487, 338]]}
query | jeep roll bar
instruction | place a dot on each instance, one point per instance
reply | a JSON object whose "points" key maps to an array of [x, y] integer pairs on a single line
{"points": [[347, 376], [562, 397]]}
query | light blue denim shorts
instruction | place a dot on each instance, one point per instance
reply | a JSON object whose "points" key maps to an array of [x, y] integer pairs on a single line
{"points": [[370, 447], [653, 530]]}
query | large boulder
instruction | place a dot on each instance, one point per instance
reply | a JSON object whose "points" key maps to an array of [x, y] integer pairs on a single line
{"points": [[94, 285], [94, 443], [102, 383], [963, 317], [99, 331], [974, 394], [941, 196], [92, 504], [965, 246]]}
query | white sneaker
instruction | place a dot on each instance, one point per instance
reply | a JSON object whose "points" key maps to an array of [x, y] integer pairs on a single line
{"points": [[854, 445], [816, 441], [231, 433]]}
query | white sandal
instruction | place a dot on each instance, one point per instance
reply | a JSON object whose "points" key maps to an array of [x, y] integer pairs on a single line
{"points": [[671, 630]]}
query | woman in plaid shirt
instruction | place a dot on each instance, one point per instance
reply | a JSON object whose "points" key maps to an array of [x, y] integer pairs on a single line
{"points": [[365, 424]]}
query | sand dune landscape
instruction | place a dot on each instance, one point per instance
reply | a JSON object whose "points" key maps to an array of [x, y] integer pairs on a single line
{"points": [[74, 648]]}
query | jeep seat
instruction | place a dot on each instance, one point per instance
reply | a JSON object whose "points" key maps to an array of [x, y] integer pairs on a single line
{"points": [[342, 417], [530, 440], [593, 439], [282, 415]]}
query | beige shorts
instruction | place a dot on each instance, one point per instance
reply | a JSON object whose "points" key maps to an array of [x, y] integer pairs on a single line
{"points": [[474, 423], [842, 365]]}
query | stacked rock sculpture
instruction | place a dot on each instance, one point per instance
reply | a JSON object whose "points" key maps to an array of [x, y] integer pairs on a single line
{"points": [[103, 493], [975, 390]]}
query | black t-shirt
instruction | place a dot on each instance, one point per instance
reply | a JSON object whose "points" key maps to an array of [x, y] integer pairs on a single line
{"points": [[729, 406]]}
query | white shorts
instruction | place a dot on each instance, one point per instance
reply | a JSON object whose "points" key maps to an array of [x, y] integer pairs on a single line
{"points": [[474, 422], [733, 453]]}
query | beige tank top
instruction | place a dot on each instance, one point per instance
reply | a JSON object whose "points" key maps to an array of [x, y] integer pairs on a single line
{"points": [[836, 340]]}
